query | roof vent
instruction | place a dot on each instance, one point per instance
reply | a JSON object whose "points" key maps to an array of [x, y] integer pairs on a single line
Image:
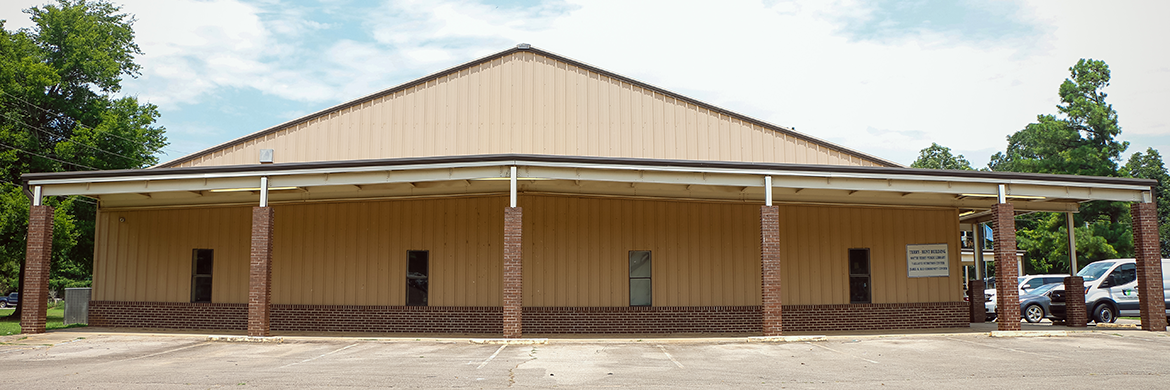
{"points": [[266, 156], [523, 46]]}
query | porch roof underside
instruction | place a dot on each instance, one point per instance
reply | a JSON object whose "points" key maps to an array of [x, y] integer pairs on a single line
{"points": [[973, 191]]}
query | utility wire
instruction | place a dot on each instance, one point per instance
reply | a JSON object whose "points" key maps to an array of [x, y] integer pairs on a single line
{"points": [[47, 157], [49, 133], [79, 124]]}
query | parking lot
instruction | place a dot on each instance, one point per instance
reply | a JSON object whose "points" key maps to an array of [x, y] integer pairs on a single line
{"points": [[87, 358]]}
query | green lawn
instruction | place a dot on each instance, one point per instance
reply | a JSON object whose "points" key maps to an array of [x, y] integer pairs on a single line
{"points": [[10, 325]]}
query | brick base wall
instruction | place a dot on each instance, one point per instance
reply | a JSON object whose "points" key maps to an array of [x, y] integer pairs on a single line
{"points": [[875, 316], [169, 315], [537, 320], [649, 320], [309, 318], [390, 319]]}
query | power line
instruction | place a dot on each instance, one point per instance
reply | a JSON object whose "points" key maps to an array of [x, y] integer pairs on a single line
{"points": [[47, 157], [75, 143], [79, 124]]}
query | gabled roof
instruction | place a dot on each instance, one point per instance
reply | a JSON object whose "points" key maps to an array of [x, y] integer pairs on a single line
{"points": [[245, 146]]}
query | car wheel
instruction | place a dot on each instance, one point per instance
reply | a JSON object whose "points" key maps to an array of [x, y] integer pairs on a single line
{"points": [[1104, 314], [3, 304], [1033, 313]]}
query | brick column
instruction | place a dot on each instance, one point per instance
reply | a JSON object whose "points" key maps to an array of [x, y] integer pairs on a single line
{"points": [[770, 268], [37, 259], [1006, 271], [978, 301], [1074, 302], [1149, 266], [260, 273], [513, 271]]}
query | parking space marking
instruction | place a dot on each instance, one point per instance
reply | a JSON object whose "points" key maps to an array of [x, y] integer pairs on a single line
{"points": [[670, 357], [485, 362], [320, 356], [162, 353], [1004, 348], [843, 353]]}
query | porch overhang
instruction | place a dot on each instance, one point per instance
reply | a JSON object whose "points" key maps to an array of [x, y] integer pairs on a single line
{"points": [[972, 192]]}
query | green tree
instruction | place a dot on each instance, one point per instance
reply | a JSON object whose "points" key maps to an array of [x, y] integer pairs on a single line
{"points": [[1150, 166], [939, 157], [1080, 140], [58, 112]]}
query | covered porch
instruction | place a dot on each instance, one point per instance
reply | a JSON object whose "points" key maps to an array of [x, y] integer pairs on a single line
{"points": [[732, 233]]}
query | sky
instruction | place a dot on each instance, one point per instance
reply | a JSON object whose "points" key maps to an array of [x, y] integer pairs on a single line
{"points": [[887, 78]]}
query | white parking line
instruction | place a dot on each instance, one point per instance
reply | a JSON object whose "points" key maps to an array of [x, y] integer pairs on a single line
{"points": [[485, 362], [670, 357], [319, 356], [843, 353], [163, 352]]}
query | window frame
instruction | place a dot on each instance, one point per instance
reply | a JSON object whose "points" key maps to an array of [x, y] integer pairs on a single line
{"points": [[426, 298], [196, 276], [868, 275], [632, 278]]}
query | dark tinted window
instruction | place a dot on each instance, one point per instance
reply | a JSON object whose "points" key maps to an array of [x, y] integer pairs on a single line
{"points": [[640, 274], [417, 272], [1126, 273], [859, 287], [202, 263]]}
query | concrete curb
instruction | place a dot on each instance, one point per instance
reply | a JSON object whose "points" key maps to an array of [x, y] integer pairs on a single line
{"points": [[246, 339], [1118, 326], [786, 339], [510, 341], [1021, 333]]}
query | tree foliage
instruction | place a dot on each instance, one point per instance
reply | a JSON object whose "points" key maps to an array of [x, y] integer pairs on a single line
{"points": [[939, 157], [58, 112], [1080, 140], [1151, 166]]}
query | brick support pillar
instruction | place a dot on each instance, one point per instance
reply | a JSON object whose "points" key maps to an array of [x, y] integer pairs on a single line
{"points": [[978, 301], [1074, 302], [37, 259], [260, 272], [513, 271], [1149, 266], [1006, 267], [770, 267]]}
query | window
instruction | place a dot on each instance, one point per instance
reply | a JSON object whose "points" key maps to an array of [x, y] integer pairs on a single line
{"points": [[417, 270], [859, 276], [1124, 274], [640, 286], [201, 265]]}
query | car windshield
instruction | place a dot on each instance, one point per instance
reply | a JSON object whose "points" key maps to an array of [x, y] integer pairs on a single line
{"points": [[1094, 271], [1044, 289], [1020, 280]]}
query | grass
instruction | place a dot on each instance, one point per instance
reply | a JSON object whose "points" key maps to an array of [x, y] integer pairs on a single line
{"points": [[10, 325]]}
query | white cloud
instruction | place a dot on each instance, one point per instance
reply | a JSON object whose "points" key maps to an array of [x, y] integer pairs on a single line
{"points": [[786, 62]]}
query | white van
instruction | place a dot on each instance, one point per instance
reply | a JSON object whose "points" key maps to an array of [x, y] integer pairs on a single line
{"points": [[1111, 289]]}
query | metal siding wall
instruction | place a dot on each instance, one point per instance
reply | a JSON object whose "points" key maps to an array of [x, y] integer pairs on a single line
{"points": [[526, 103], [339, 254], [576, 251]]}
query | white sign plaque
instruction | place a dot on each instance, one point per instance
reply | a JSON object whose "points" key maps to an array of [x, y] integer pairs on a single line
{"points": [[928, 260]]}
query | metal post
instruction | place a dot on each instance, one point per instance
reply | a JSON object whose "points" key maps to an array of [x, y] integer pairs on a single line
{"points": [[1002, 194], [977, 231], [36, 201], [264, 191], [767, 190], [1072, 244], [512, 191]]}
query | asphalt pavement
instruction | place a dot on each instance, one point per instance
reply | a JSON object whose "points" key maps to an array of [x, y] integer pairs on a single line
{"points": [[1059, 358]]}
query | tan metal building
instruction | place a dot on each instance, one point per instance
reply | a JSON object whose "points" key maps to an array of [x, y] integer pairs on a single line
{"points": [[527, 193]]}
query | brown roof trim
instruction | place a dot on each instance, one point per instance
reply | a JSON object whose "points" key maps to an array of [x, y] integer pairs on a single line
{"points": [[505, 53], [390, 163]]}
